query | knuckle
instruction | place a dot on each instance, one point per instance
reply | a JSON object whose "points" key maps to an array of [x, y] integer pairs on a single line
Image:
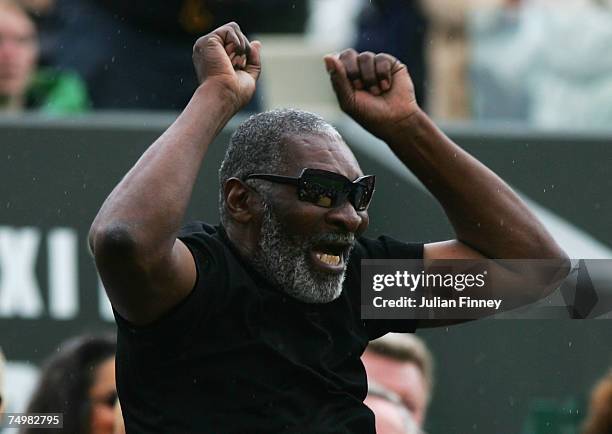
{"points": [[345, 54], [366, 55], [389, 58], [199, 44], [351, 52]]}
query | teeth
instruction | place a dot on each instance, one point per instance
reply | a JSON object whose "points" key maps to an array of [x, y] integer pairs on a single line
{"points": [[328, 259]]}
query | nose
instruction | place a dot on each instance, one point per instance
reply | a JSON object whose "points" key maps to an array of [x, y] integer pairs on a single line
{"points": [[346, 217]]}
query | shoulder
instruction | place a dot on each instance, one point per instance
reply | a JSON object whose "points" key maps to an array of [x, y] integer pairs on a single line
{"points": [[385, 247], [198, 228], [203, 238], [216, 257]]}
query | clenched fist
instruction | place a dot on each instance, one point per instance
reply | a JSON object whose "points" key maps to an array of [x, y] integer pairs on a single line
{"points": [[374, 89], [226, 58]]}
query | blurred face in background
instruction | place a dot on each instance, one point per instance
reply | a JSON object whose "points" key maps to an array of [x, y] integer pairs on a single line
{"points": [[18, 50], [103, 396], [403, 378], [391, 417], [119, 423]]}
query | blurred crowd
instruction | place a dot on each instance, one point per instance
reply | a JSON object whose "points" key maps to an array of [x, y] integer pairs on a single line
{"points": [[522, 60], [78, 381]]}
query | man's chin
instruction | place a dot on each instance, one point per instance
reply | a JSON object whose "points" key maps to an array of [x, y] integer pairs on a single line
{"points": [[318, 298], [314, 286]]}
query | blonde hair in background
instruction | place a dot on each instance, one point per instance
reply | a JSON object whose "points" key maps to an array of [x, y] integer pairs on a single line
{"points": [[407, 348]]}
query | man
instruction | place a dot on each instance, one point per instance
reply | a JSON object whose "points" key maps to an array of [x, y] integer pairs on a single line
{"points": [[400, 377], [248, 326]]}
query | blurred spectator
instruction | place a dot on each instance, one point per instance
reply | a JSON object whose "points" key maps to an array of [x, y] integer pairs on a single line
{"points": [[2, 362], [22, 86], [37, 7], [332, 25], [79, 381], [448, 55], [599, 419], [18, 51], [46, 21], [544, 54], [397, 27], [119, 423], [139, 55], [401, 364], [392, 417]]}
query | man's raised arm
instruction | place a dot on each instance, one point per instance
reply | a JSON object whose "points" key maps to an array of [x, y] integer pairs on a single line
{"points": [[145, 269], [489, 219]]}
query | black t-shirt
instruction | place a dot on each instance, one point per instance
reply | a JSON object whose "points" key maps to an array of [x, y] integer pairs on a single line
{"points": [[240, 356]]}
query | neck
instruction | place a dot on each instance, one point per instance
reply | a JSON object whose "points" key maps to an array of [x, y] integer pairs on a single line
{"points": [[240, 240]]}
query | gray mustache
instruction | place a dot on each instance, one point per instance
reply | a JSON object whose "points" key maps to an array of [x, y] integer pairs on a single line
{"points": [[335, 238]]}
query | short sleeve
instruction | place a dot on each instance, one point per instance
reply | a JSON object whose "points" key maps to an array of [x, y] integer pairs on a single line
{"points": [[383, 247], [208, 255]]}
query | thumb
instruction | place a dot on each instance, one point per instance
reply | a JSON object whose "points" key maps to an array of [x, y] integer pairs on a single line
{"points": [[339, 80]]}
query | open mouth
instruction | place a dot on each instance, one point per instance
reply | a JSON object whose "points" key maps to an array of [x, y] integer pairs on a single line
{"points": [[328, 259], [331, 257]]}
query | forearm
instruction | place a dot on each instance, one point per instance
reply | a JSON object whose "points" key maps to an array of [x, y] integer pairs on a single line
{"points": [[148, 205], [484, 211]]}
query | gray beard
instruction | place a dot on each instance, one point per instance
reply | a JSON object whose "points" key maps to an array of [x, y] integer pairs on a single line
{"points": [[285, 261]]}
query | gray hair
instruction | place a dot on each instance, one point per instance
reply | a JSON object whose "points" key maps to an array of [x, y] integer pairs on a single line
{"points": [[259, 145]]}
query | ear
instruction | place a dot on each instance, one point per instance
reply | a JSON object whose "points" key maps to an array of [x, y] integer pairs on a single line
{"points": [[243, 203]]}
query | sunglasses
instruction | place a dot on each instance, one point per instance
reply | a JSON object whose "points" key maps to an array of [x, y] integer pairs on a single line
{"points": [[327, 189]]}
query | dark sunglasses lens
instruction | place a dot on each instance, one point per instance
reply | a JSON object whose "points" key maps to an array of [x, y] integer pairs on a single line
{"points": [[362, 194], [320, 189], [329, 189]]}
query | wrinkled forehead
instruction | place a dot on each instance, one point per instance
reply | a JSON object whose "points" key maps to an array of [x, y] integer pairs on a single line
{"points": [[324, 150]]}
